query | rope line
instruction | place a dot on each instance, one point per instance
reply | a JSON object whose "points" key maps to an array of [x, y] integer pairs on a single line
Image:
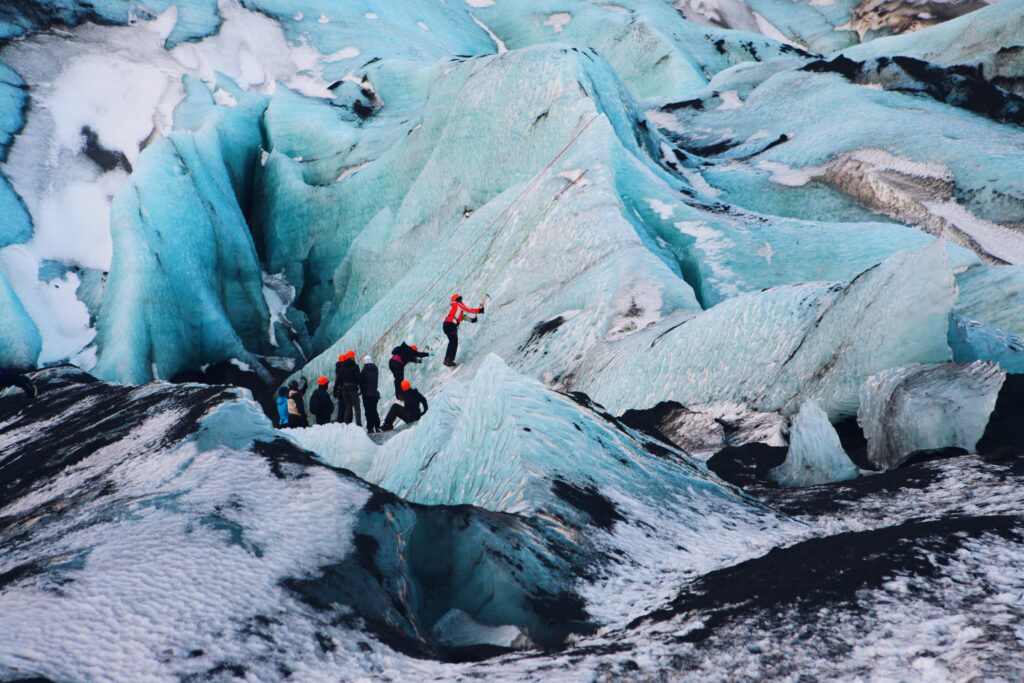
{"points": [[508, 213], [532, 224]]}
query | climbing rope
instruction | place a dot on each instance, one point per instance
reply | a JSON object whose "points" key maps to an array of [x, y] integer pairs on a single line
{"points": [[508, 212], [531, 225]]}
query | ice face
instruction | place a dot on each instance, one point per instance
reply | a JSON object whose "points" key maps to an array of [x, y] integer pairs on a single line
{"points": [[993, 295], [971, 340], [925, 407], [20, 342], [815, 455], [185, 286], [16, 225]]}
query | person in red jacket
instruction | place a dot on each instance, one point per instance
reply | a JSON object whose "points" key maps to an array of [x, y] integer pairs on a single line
{"points": [[451, 326]]}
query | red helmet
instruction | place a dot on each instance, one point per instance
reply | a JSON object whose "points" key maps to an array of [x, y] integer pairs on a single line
{"points": [[322, 381], [456, 297], [341, 357], [350, 354], [406, 385], [415, 348]]}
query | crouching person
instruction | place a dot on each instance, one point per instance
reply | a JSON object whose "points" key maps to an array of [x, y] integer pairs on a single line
{"points": [[410, 412]]}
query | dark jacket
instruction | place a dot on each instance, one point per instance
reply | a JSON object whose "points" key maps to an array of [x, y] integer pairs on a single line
{"points": [[407, 354], [320, 404], [412, 399], [368, 381], [346, 373], [296, 400]]}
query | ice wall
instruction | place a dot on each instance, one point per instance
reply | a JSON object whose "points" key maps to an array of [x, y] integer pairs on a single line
{"points": [[815, 455], [926, 407], [185, 286], [20, 342]]}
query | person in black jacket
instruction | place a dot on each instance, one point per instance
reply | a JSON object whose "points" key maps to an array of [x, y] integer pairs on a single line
{"points": [[320, 403], [336, 391], [368, 380], [297, 404], [410, 412], [13, 378], [401, 356], [346, 388]]}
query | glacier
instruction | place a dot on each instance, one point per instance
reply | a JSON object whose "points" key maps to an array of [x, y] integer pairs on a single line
{"points": [[742, 404], [815, 454], [926, 407]]}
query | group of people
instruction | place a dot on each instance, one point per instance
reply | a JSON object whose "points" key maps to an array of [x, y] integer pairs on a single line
{"points": [[352, 383]]}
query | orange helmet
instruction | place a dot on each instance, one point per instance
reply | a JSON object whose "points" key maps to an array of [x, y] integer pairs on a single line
{"points": [[406, 385], [415, 348], [322, 381], [456, 297], [350, 354], [341, 357]]}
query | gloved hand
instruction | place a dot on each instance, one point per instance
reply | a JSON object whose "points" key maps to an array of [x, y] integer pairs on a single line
{"points": [[472, 320], [481, 309]]}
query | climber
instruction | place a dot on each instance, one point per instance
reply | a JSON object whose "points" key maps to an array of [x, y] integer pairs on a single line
{"points": [[410, 412], [368, 385], [320, 403], [282, 407], [296, 404], [346, 388], [451, 326], [401, 356], [13, 378]]}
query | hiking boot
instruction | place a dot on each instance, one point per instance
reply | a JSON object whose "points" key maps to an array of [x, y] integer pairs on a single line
{"points": [[449, 364]]}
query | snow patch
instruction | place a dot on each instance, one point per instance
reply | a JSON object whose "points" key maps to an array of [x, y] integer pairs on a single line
{"points": [[730, 100], [558, 21], [663, 209], [497, 41]]}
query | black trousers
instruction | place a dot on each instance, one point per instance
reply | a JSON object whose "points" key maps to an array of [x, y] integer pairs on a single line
{"points": [[451, 330], [398, 411], [297, 420], [372, 417], [398, 370], [351, 395]]}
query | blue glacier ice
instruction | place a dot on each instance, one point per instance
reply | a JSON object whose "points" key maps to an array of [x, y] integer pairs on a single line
{"points": [[813, 341], [693, 222], [993, 295], [16, 225], [20, 342], [815, 455], [918, 407], [972, 340], [202, 255]]}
